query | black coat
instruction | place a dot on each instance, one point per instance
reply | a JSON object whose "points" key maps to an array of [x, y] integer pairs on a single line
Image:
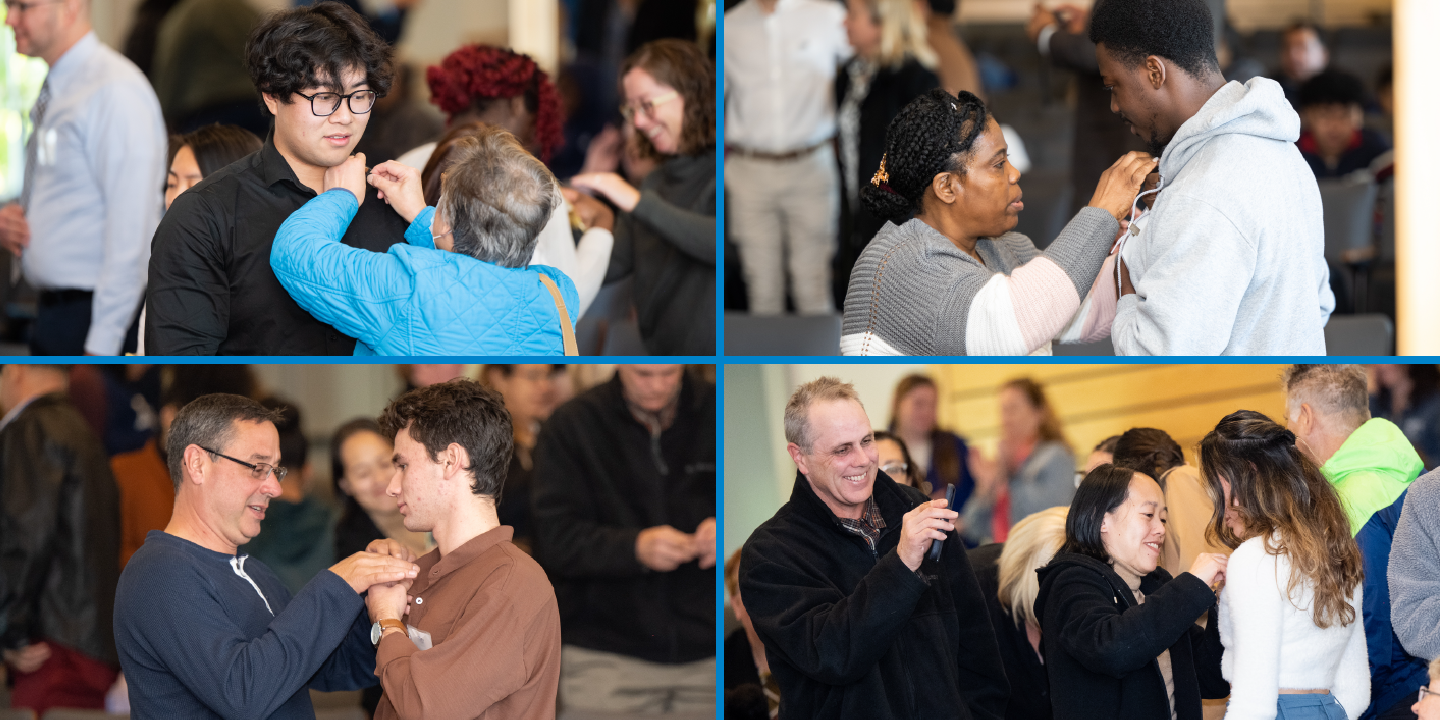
{"points": [[1029, 685], [599, 479], [59, 532], [890, 91], [1101, 646], [852, 635]]}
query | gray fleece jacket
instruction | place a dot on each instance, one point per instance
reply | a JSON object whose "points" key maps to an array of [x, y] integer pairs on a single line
{"points": [[1414, 570], [1231, 260]]}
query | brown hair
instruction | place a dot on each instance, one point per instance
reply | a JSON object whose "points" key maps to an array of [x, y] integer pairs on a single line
{"points": [[913, 478], [1149, 451], [458, 411], [681, 65], [1279, 494], [444, 158], [1034, 393], [944, 458]]}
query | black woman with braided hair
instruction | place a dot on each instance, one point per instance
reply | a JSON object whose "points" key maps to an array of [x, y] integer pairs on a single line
{"points": [[946, 276]]}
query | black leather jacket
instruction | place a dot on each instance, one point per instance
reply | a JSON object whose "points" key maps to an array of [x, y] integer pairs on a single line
{"points": [[59, 532]]}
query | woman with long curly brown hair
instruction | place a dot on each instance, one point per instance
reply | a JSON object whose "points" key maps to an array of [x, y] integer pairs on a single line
{"points": [[1290, 615]]}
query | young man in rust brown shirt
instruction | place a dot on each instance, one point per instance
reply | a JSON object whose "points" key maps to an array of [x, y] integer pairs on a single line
{"points": [[483, 608]]}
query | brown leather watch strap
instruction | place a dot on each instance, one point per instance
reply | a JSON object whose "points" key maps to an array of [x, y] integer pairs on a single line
{"points": [[388, 624]]}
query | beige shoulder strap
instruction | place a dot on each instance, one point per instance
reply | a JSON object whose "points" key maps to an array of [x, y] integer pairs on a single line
{"points": [[567, 330]]}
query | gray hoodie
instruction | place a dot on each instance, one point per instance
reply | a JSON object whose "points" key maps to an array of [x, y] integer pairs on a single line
{"points": [[1231, 260], [1414, 570]]}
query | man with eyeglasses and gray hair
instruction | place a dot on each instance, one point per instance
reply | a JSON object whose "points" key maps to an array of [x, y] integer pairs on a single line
{"points": [[205, 631], [94, 158], [859, 619], [319, 70]]}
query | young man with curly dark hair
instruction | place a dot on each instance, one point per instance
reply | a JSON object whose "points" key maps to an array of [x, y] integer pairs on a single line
{"points": [[319, 70], [1230, 259]]}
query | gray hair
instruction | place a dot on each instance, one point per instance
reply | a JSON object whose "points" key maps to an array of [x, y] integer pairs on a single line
{"points": [[209, 421], [497, 198], [1335, 391], [797, 410]]}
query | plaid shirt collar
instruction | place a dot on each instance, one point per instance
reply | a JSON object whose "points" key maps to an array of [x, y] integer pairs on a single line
{"points": [[869, 525]]}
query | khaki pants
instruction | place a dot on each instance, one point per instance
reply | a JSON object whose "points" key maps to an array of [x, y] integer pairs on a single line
{"points": [[785, 213], [610, 682]]}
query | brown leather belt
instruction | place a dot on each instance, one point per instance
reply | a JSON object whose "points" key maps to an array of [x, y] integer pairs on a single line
{"points": [[774, 157]]}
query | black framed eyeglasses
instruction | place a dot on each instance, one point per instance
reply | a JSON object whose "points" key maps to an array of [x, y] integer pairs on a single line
{"points": [[258, 471], [326, 103]]}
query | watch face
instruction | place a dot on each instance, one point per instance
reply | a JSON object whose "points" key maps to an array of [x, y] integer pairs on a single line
{"points": [[375, 634]]}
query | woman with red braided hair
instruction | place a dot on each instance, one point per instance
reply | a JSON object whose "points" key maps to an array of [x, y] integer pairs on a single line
{"points": [[506, 89]]}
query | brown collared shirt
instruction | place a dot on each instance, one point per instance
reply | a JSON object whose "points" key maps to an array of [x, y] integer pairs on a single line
{"points": [[869, 525], [495, 633]]}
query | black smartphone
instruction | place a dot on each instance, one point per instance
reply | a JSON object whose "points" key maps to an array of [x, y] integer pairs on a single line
{"points": [[937, 545]]}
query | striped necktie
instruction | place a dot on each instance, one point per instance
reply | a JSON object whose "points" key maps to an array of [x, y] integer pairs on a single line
{"points": [[37, 116]]}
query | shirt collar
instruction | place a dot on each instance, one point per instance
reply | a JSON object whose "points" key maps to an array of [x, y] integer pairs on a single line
{"points": [[15, 412], [274, 167], [70, 63], [433, 566]]}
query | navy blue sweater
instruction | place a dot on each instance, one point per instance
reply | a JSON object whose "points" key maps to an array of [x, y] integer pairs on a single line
{"points": [[197, 640]]}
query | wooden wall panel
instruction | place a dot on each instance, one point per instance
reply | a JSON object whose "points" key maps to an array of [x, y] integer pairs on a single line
{"points": [[1096, 401]]}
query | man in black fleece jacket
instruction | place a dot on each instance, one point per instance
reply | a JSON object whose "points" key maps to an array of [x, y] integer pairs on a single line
{"points": [[857, 620], [623, 501]]}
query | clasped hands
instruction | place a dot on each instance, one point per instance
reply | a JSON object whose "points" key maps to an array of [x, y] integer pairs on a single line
{"points": [[663, 548], [386, 569]]}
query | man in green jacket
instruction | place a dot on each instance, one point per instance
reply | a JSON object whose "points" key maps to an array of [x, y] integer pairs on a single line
{"points": [[1368, 460]]}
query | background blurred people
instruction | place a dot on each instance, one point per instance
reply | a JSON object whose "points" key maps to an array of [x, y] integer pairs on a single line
{"points": [[1118, 632], [941, 457], [1035, 469], [1006, 572], [530, 395], [95, 155], [665, 234], [1335, 141], [893, 64], [957, 67], [1303, 55], [202, 152], [748, 679], [782, 187], [297, 535], [1290, 615], [624, 511], [199, 67], [59, 531], [1409, 396], [895, 461]]}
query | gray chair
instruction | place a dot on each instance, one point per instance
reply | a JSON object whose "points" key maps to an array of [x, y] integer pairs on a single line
{"points": [[1349, 208], [782, 335], [1367, 334]]}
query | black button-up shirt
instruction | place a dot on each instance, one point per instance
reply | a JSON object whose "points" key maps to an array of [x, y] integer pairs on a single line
{"points": [[211, 290]]}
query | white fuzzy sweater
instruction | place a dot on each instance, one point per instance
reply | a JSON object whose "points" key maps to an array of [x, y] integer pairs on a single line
{"points": [[1272, 642]]}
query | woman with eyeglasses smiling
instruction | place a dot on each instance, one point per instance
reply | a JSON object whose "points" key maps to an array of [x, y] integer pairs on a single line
{"points": [[665, 234], [895, 461]]}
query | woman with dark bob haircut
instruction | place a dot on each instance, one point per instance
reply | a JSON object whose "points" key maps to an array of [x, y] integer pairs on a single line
{"points": [[945, 276], [1118, 631], [1290, 614]]}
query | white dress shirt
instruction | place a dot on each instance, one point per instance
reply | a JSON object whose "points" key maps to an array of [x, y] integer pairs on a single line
{"points": [[97, 188], [780, 73], [584, 263]]}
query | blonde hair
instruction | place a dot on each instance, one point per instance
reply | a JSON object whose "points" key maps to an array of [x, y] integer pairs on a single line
{"points": [[902, 32], [797, 410], [1032, 543]]}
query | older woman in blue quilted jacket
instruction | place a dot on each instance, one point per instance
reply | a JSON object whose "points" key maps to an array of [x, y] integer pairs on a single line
{"points": [[460, 284]]}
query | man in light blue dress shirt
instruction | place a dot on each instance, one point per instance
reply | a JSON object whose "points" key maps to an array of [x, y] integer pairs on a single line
{"points": [[92, 195]]}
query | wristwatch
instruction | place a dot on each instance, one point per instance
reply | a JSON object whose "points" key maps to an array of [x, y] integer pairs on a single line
{"points": [[378, 629]]}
